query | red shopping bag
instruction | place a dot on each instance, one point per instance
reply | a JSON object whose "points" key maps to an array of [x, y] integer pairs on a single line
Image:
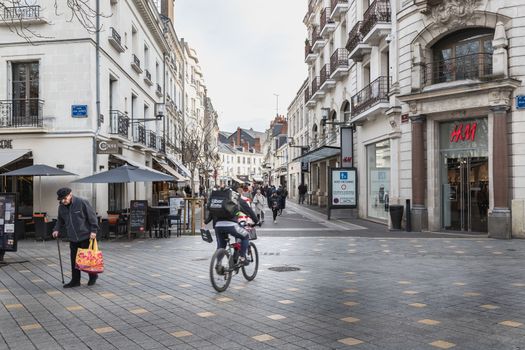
{"points": [[90, 260]]}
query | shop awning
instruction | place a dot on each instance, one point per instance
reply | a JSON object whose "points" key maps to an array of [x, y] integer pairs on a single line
{"points": [[184, 170], [257, 178], [171, 171], [318, 154], [236, 179], [10, 155]]}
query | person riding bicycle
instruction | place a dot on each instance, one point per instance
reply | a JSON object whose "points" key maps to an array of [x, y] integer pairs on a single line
{"points": [[232, 227]]}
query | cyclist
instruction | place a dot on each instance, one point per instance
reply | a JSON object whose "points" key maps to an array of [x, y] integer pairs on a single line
{"points": [[232, 227]]}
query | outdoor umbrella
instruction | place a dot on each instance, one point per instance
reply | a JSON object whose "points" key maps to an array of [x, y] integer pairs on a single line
{"points": [[39, 170], [126, 173]]}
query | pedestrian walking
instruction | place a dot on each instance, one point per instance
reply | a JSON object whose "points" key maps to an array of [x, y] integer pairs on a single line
{"points": [[79, 219], [302, 192], [275, 204], [259, 202]]}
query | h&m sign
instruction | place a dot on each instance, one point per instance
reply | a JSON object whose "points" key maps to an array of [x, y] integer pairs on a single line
{"points": [[464, 132]]}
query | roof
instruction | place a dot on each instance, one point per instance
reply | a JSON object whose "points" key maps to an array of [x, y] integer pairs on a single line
{"points": [[225, 148]]}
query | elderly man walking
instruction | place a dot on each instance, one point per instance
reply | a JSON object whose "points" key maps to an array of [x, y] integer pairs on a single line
{"points": [[81, 224]]}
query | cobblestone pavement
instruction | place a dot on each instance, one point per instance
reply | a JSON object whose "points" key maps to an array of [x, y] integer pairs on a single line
{"points": [[350, 292]]}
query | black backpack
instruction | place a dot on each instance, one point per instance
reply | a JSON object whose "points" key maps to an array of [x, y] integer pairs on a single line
{"points": [[223, 204]]}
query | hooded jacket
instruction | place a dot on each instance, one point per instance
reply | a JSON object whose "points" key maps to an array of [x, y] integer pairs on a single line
{"points": [[79, 219]]}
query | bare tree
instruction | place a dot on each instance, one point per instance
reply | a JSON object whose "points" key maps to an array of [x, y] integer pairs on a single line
{"points": [[196, 150], [19, 15]]}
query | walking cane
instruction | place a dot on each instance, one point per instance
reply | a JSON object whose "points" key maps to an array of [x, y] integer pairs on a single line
{"points": [[60, 259]]}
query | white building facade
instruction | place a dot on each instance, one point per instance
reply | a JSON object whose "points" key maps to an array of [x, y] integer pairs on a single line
{"points": [[48, 112]]}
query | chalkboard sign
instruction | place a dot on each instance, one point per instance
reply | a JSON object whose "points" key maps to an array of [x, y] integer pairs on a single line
{"points": [[137, 216], [8, 215]]}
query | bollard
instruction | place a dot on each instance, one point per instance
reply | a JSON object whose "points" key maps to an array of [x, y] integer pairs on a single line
{"points": [[408, 227]]}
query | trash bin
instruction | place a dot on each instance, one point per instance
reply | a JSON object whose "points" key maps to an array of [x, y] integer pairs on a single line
{"points": [[396, 215]]}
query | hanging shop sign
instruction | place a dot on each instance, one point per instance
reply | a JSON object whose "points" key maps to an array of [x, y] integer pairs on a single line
{"points": [[108, 147], [347, 147]]}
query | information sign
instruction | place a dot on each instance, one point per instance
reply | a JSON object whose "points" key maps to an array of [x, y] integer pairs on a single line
{"points": [[8, 215]]}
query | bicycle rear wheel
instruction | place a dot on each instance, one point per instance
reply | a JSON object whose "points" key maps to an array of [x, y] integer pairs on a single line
{"points": [[249, 272], [220, 273]]}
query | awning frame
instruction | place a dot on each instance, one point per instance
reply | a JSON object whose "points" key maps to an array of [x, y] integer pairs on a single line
{"points": [[323, 152]]}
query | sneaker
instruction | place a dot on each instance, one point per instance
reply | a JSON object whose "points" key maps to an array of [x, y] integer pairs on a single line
{"points": [[92, 280], [274, 221], [72, 284], [243, 261]]}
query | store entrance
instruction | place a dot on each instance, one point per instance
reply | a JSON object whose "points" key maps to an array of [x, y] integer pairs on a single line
{"points": [[465, 194]]}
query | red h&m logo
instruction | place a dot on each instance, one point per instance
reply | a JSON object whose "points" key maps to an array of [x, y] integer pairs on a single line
{"points": [[464, 133]]}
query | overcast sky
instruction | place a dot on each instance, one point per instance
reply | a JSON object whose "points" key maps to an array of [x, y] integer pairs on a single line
{"points": [[248, 50]]}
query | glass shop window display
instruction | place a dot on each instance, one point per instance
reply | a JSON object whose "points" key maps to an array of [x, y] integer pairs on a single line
{"points": [[378, 196]]}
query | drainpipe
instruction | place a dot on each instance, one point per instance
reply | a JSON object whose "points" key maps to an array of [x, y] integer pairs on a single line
{"points": [[97, 79]]}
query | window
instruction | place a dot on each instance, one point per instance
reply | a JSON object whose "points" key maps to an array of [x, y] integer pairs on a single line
{"points": [[463, 55], [25, 90], [146, 57], [378, 155]]}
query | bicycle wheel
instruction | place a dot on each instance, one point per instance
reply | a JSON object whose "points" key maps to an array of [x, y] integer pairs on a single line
{"points": [[220, 273], [249, 272]]}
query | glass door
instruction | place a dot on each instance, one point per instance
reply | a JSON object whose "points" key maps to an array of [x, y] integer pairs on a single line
{"points": [[465, 194]]}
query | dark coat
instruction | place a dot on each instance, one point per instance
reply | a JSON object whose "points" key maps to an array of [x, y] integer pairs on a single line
{"points": [[79, 219], [243, 206]]}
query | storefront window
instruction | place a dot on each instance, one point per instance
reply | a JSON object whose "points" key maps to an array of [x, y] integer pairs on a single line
{"points": [[378, 155]]}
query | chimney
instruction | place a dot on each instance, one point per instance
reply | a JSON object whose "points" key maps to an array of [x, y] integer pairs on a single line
{"points": [[257, 145], [239, 136], [167, 8]]}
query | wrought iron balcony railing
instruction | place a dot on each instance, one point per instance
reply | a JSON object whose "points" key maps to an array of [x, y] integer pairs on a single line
{"points": [[315, 85], [307, 95], [375, 92], [354, 37], [148, 74], [116, 36], [162, 144], [20, 13], [378, 11], [339, 59], [316, 36], [475, 66], [21, 113], [119, 123], [324, 74], [307, 49], [159, 89], [325, 17], [139, 133], [152, 139]]}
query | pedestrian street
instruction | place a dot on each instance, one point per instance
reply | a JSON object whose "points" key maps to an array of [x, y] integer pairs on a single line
{"points": [[342, 292]]}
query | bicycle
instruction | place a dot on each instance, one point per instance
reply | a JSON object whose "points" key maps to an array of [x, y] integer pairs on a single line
{"points": [[225, 261]]}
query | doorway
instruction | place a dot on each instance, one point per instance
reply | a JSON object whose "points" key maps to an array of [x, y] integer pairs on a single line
{"points": [[465, 193]]}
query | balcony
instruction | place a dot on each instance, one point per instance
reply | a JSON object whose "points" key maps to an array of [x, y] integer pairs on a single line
{"points": [[147, 77], [20, 14], [324, 79], [339, 8], [316, 92], [339, 66], [135, 64], [309, 55], [115, 40], [162, 144], [318, 41], [139, 133], [118, 124], [327, 25], [476, 67], [371, 100], [21, 113], [355, 46], [376, 22], [151, 140], [308, 102], [158, 91]]}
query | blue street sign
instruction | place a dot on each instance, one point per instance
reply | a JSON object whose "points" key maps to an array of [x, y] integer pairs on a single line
{"points": [[520, 102], [343, 175], [79, 111]]}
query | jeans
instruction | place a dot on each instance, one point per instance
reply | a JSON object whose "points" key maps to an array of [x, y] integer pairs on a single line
{"points": [[73, 246], [236, 231], [301, 198]]}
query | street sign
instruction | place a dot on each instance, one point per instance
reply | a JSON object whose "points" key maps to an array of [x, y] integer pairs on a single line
{"points": [[520, 102], [79, 111], [342, 191]]}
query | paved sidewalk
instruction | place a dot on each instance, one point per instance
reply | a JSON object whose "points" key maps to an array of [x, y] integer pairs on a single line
{"points": [[349, 293]]}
